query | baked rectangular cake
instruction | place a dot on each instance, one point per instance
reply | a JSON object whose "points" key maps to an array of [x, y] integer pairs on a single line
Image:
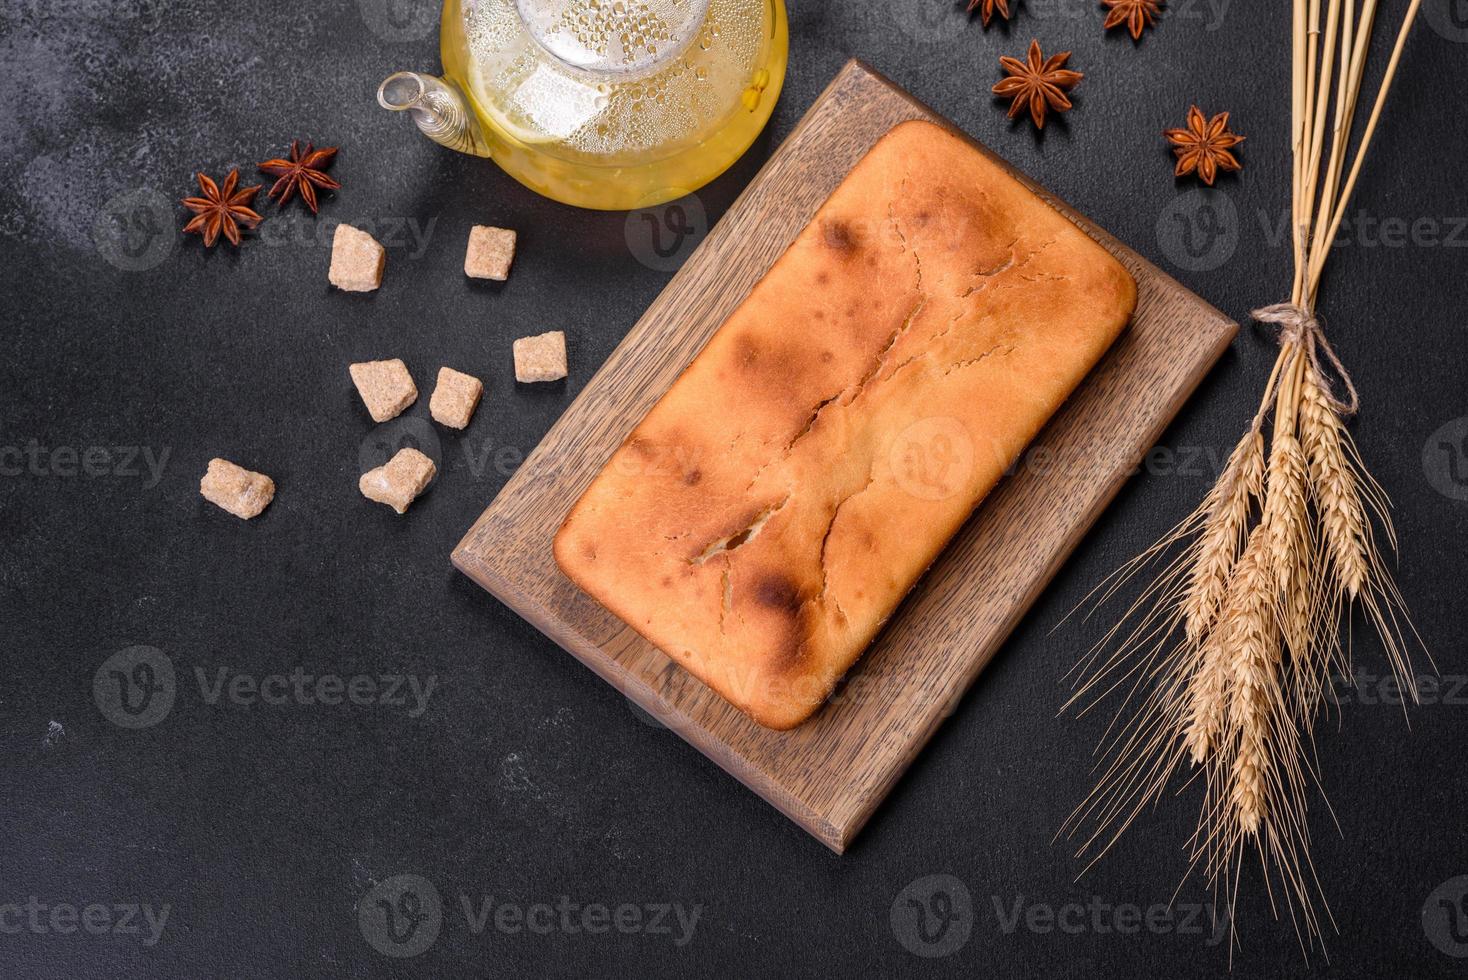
{"points": [[769, 513]]}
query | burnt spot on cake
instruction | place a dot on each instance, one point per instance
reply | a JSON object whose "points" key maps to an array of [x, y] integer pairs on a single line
{"points": [[790, 657], [789, 616], [837, 236], [778, 592], [783, 364], [746, 352]]}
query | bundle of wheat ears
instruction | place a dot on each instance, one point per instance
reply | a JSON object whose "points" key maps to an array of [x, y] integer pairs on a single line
{"points": [[1224, 660]]}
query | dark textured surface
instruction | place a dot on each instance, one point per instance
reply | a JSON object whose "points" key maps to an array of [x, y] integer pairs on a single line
{"points": [[263, 827]]}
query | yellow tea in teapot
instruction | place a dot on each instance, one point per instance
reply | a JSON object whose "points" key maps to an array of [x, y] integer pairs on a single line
{"points": [[612, 104]]}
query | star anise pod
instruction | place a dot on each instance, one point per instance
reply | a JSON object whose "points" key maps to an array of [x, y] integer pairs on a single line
{"points": [[986, 8], [303, 172], [1135, 14], [1037, 82], [222, 209], [1203, 147]]}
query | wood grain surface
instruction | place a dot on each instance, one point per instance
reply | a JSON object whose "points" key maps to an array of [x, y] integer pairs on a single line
{"points": [[831, 773]]}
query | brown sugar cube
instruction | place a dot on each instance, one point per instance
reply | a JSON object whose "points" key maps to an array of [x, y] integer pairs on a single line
{"points": [[386, 387], [541, 358], [240, 491], [356, 260], [455, 397], [399, 481], [490, 252]]}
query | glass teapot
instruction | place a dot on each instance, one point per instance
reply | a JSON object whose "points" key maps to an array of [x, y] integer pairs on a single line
{"points": [[609, 104]]}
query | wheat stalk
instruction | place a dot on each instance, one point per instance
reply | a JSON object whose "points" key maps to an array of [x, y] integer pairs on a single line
{"points": [[1231, 646]]}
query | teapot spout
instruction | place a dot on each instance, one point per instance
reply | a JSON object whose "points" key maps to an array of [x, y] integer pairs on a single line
{"points": [[437, 107]]}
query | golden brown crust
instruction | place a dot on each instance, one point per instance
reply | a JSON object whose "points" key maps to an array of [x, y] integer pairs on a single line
{"points": [[769, 513]]}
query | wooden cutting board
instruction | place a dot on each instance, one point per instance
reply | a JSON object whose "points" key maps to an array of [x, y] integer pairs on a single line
{"points": [[829, 774]]}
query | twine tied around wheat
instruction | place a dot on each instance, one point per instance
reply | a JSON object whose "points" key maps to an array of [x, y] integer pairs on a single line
{"points": [[1301, 327]]}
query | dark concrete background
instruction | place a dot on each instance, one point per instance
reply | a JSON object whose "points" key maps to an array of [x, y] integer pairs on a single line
{"points": [[263, 828]]}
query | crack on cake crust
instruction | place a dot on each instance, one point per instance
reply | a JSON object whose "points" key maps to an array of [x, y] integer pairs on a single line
{"points": [[1021, 263], [1002, 350], [988, 274], [810, 423], [848, 395], [729, 542], [852, 392], [824, 594], [917, 260], [932, 341], [726, 596], [1002, 266], [845, 396], [893, 341], [1012, 264]]}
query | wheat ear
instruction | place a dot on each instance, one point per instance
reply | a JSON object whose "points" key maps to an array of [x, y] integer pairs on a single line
{"points": [[1289, 551], [1333, 484], [1207, 696], [1253, 671], [1214, 555], [1217, 548]]}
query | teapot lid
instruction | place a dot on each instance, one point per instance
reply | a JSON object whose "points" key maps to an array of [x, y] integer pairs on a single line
{"points": [[622, 37]]}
